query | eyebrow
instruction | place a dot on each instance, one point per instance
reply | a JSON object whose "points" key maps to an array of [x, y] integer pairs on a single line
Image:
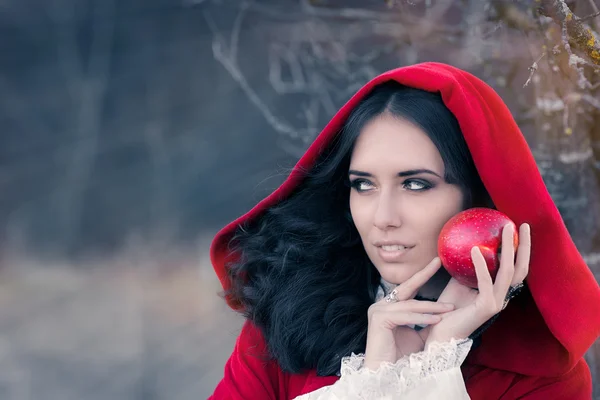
{"points": [[400, 174]]}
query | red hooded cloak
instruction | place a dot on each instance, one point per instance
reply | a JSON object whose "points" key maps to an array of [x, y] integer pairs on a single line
{"points": [[535, 348]]}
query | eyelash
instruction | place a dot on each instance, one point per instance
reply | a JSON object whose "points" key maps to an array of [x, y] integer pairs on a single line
{"points": [[356, 183]]}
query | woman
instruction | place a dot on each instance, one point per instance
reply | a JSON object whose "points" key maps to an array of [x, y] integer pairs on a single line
{"points": [[337, 274]]}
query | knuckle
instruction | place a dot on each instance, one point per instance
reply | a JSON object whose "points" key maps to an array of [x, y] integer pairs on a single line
{"points": [[376, 312], [378, 319], [372, 310]]}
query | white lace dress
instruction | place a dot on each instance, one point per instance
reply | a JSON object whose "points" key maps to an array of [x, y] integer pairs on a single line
{"points": [[427, 375]]}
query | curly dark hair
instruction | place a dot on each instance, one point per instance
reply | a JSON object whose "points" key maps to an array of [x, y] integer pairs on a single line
{"points": [[302, 275]]}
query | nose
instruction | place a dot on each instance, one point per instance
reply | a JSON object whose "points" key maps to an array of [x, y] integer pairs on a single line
{"points": [[386, 215]]}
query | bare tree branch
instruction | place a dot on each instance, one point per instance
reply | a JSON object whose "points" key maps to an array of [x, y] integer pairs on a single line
{"points": [[305, 46], [582, 36], [533, 68], [595, 14], [592, 16]]}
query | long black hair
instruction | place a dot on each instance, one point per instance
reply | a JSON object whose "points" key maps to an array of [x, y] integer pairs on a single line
{"points": [[302, 275]]}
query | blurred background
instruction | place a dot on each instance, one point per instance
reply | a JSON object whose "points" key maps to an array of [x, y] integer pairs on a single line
{"points": [[132, 130]]}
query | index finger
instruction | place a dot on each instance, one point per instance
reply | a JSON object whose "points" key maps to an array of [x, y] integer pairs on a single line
{"points": [[411, 286]]}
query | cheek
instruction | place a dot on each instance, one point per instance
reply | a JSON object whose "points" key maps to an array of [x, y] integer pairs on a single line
{"points": [[444, 211], [428, 214]]}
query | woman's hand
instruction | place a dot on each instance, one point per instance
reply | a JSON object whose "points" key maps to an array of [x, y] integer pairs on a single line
{"points": [[473, 307], [388, 336]]}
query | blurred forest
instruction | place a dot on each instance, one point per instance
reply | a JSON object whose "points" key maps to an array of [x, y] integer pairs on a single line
{"points": [[132, 130]]}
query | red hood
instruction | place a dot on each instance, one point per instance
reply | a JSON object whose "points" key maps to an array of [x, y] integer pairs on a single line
{"points": [[544, 334]]}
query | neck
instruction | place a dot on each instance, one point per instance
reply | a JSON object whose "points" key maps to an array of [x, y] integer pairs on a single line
{"points": [[434, 287]]}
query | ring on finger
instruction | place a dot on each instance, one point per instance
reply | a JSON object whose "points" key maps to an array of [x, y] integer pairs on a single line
{"points": [[391, 298]]}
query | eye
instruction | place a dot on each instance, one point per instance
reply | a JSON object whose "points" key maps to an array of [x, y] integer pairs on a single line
{"points": [[415, 185], [361, 185]]}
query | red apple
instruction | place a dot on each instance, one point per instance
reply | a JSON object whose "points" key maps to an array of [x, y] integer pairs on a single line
{"points": [[480, 227]]}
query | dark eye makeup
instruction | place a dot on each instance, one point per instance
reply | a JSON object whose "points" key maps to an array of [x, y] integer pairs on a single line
{"points": [[362, 185]]}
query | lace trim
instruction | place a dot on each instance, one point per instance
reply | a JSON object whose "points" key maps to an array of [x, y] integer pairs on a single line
{"points": [[406, 373]]}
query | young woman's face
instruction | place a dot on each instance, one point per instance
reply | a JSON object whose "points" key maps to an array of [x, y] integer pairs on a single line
{"points": [[399, 200]]}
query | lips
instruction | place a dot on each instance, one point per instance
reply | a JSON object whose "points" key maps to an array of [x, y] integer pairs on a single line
{"points": [[393, 247], [380, 243], [392, 252]]}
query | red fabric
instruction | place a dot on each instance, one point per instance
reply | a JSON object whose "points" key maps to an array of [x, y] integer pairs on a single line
{"points": [[250, 374], [535, 347]]}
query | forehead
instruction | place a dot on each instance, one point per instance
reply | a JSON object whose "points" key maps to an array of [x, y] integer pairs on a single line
{"points": [[387, 141]]}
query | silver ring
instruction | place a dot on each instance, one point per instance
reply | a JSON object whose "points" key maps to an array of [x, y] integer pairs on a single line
{"points": [[391, 298]]}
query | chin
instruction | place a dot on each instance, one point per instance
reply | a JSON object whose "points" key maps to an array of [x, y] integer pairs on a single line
{"points": [[395, 273]]}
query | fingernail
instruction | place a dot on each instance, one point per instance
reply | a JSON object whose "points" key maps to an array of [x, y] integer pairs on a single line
{"points": [[448, 305]]}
